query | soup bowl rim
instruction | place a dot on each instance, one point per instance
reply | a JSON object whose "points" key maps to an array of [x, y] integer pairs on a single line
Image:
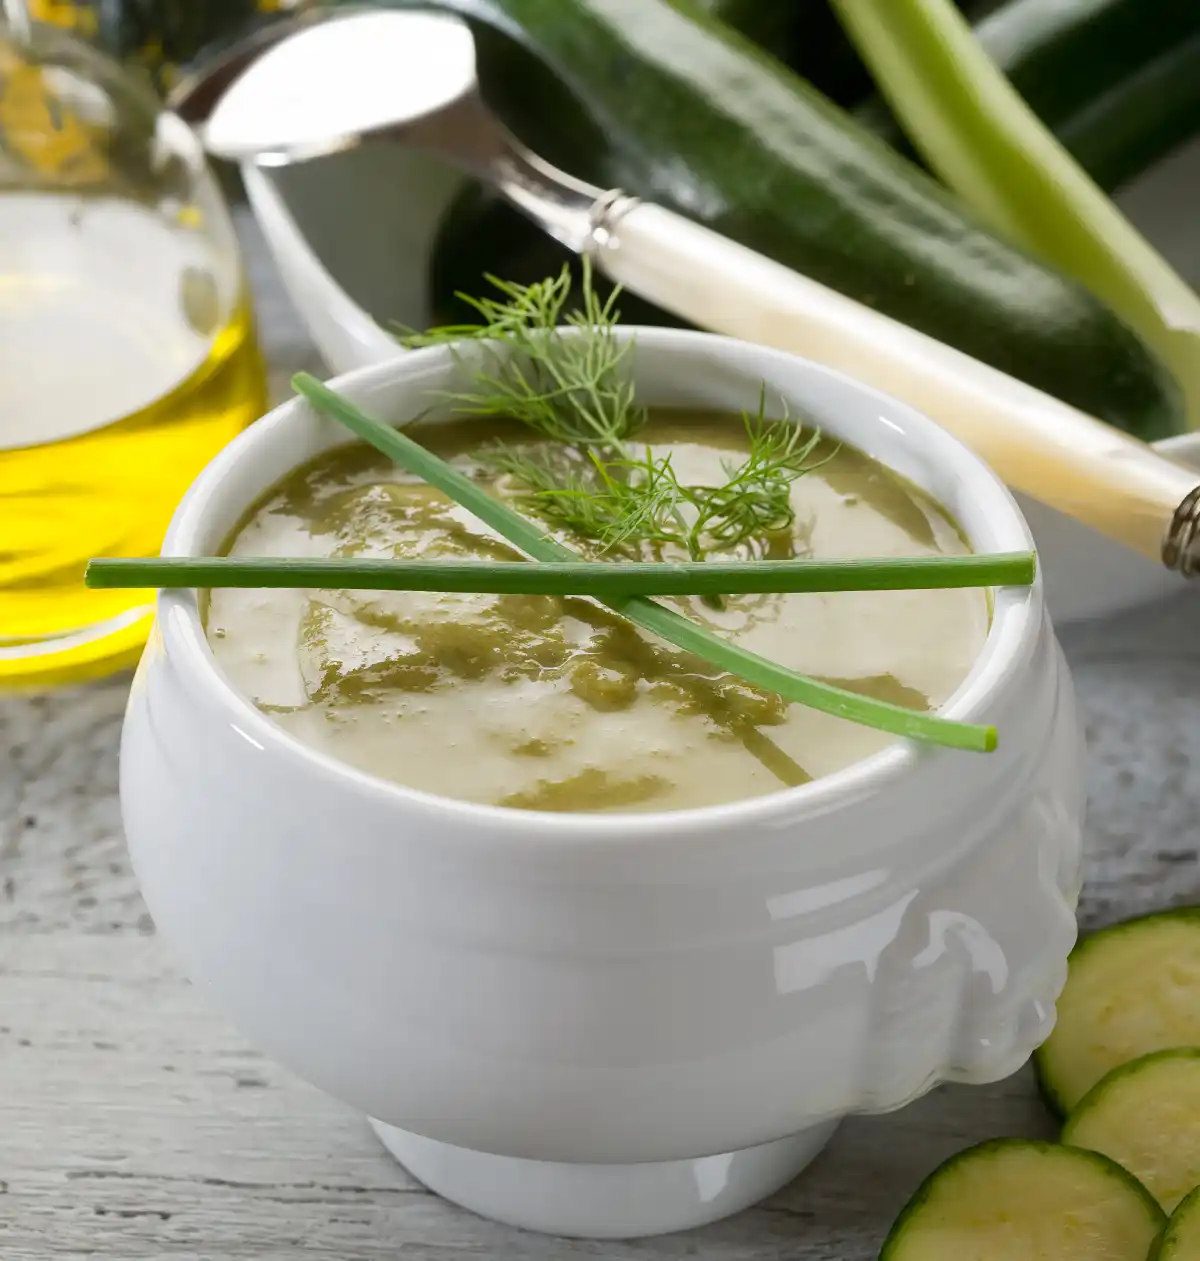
{"points": [[1017, 618]]}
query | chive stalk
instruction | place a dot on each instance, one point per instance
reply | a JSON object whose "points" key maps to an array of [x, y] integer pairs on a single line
{"points": [[599, 579]]}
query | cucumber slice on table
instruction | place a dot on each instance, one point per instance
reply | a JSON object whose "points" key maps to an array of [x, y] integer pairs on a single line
{"points": [[1181, 1239], [1131, 989], [1146, 1117], [1018, 1200]]}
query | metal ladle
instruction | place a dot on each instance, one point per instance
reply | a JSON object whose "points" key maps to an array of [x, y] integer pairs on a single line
{"points": [[397, 76]]}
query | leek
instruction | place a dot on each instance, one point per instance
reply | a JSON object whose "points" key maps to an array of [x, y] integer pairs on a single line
{"points": [[973, 129]]}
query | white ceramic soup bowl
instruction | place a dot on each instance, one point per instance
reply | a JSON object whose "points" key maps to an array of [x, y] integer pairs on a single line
{"points": [[617, 1025]]}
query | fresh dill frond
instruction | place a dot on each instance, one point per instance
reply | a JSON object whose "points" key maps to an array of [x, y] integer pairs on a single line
{"points": [[568, 389], [616, 503], [755, 499], [576, 392]]}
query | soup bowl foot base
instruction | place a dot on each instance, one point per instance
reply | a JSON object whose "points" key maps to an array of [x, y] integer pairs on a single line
{"points": [[604, 1201]]}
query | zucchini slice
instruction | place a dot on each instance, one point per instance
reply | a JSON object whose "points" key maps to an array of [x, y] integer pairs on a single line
{"points": [[1181, 1239], [1146, 1117], [1017, 1200], [1131, 989]]}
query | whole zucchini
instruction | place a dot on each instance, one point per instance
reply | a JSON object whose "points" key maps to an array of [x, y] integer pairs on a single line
{"points": [[695, 118], [481, 234], [1124, 131], [767, 23], [1118, 105], [1118, 81], [817, 49]]}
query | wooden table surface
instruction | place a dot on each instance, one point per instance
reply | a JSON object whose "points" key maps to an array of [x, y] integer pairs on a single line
{"points": [[136, 1123]]}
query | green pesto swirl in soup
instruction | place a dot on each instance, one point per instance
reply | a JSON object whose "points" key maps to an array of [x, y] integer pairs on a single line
{"points": [[555, 703]]}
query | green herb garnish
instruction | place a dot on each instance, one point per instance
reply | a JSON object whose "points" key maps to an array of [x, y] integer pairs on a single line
{"points": [[570, 390], [583, 578], [593, 482]]}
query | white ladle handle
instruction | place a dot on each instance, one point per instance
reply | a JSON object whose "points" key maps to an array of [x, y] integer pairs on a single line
{"points": [[1037, 444]]}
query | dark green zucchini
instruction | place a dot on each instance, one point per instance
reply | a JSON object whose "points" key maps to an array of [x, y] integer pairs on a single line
{"points": [[1181, 1239], [1132, 989], [481, 234], [1013, 1197], [768, 23], [1118, 81], [817, 49], [696, 118], [1125, 131], [1145, 1115], [1116, 109]]}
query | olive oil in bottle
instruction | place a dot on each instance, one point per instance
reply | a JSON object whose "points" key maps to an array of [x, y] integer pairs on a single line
{"points": [[120, 379], [127, 359]]}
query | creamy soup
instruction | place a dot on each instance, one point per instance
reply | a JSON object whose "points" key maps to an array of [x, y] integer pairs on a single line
{"points": [[548, 703]]}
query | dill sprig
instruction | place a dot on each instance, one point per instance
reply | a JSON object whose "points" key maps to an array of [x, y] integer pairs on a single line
{"points": [[636, 499], [589, 480], [570, 390]]}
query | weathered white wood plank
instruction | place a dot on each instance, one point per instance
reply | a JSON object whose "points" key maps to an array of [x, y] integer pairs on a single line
{"points": [[135, 1123]]}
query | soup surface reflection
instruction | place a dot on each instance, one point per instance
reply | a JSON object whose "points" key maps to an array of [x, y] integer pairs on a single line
{"points": [[547, 703]]}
